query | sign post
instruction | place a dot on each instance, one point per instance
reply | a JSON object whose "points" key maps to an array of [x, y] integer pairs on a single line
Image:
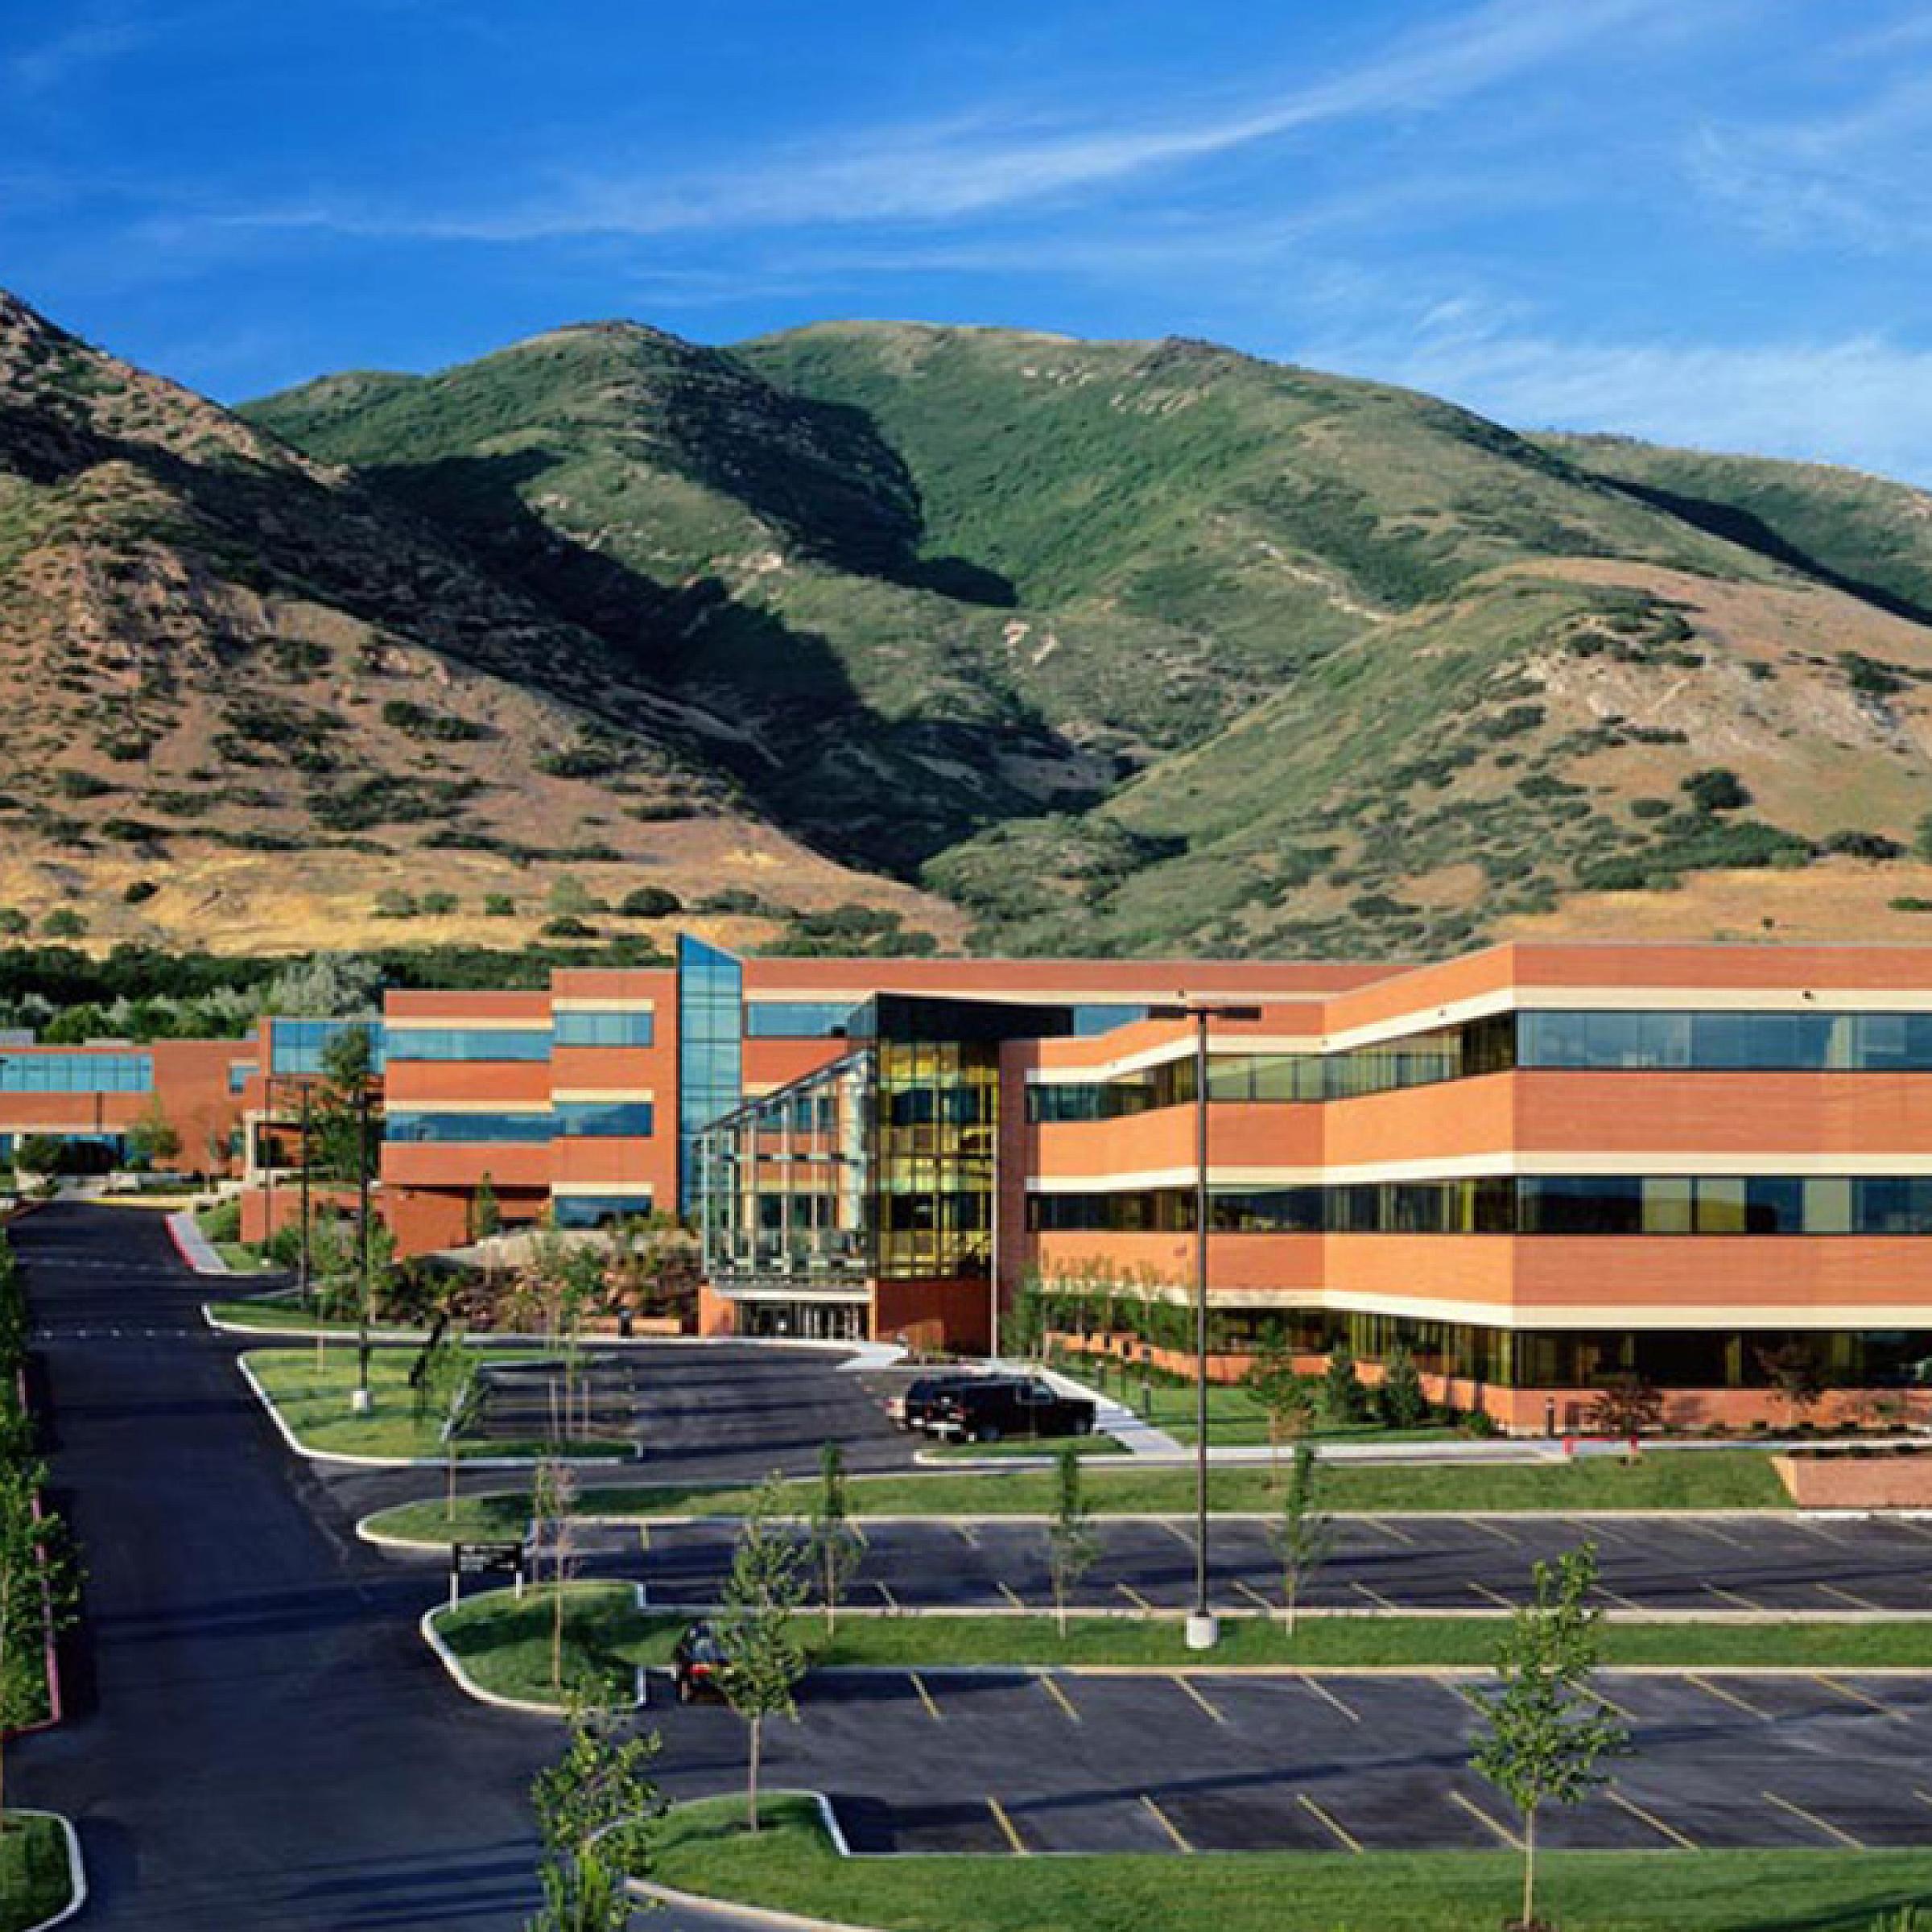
{"points": [[484, 1559]]}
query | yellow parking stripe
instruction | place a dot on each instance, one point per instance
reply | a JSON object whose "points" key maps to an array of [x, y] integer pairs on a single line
{"points": [[1212, 1710], [1728, 1697], [1650, 1819], [1165, 1823], [1058, 1696], [1848, 1596], [918, 1684], [1349, 1841], [1858, 1696], [1133, 1597], [1012, 1596], [1811, 1817], [1322, 1691], [1482, 1816], [1020, 1849], [1735, 1596], [1374, 1597], [1401, 1536]]}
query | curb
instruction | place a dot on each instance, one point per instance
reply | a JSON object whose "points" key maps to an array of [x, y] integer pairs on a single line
{"points": [[77, 1868], [342, 1459], [249, 1330], [195, 1248], [469, 1686], [704, 1904]]}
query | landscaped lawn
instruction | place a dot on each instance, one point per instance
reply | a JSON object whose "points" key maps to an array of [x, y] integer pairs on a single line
{"points": [[35, 1882], [1694, 1479], [267, 1311], [505, 1644], [792, 1866], [313, 1399]]}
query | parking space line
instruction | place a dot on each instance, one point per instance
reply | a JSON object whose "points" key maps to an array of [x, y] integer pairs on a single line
{"points": [[858, 1530], [1179, 1534], [1253, 1595], [1020, 1848], [1349, 1841], [1650, 1819], [1735, 1596], [918, 1684], [1322, 1690], [1811, 1817], [1482, 1816], [1012, 1596], [1212, 1710], [1374, 1597], [1401, 1536], [1728, 1697], [967, 1535], [1848, 1596], [885, 1590], [1058, 1696], [644, 1538], [1489, 1596], [1489, 1528], [1859, 1697], [1722, 1535], [1456, 1688], [1165, 1823], [1925, 1798], [1610, 1703], [1133, 1597]]}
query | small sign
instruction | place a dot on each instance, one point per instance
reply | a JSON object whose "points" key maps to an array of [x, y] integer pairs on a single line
{"points": [[486, 1560]]}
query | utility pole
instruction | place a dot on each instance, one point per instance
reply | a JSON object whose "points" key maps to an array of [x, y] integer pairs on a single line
{"points": [[360, 1400], [1204, 1627]]}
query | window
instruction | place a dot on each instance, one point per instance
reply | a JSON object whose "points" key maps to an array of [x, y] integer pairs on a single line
{"points": [[21, 1072], [796, 1019], [240, 1073], [1091, 1019], [468, 1043], [711, 989], [598, 1210], [604, 1120], [630, 1029], [299, 1045], [1796, 1042], [475, 1129]]}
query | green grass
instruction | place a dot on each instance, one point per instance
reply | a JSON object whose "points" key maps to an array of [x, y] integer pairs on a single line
{"points": [[792, 1866], [313, 1402], [505, 1644], [241, 1258], [35, 1882], [1714, 1479], [1022, 1446], [266, 1313]]}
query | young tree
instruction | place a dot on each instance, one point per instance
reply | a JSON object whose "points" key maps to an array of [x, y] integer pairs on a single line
{"points": [[553, 1495], [1285, 1396], [152, 1139], [836, 1550], [1545, 1736], [443, 1382], [1400, 1398], [1344, 1400], [594, 1811], [1071, 1545], [762, 1660], [485, 1215], [1793, 1370], [1302, 1535], [1626, 1405]]}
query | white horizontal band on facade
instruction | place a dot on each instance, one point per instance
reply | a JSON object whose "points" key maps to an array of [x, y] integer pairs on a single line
{"points": [[1519, 1317], [465, 1023], [638, 1190], [1231, 1045], [1509, 1164], [531, 1109], [573, 1004], [595, 1096]]}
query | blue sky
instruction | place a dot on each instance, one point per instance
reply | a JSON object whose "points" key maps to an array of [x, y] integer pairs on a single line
{"points": [[1702, 221]]}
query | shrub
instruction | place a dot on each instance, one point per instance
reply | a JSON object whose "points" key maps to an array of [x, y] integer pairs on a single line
{"points": [[1400, 1399], [392, 902], [140, 892], [566, 926], [1861, 844], [499, 906], [13, 922], [1907, 903], [438, 905], [419, 721], [650, 902], [570, 898], [1716, 790], [1649, 808], [64, 922]]}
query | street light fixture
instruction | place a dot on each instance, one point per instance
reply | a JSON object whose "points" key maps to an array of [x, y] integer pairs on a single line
{"points": [[1204, 1629]]}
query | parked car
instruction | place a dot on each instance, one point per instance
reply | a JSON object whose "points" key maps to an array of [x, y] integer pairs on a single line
{"points": [[1022, 1406], [697, 1662], [912, 1407]]}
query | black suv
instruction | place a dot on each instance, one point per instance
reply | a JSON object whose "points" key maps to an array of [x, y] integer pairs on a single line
{"points": [[914, 1408], [697, 1662], [984, 1411]]}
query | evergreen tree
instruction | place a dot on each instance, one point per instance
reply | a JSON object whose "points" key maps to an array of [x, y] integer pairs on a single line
{"points": [[1400, 1399], [1345, 1399]]}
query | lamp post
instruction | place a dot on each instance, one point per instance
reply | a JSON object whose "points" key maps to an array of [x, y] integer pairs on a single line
{"points": [[1203, 1629]]}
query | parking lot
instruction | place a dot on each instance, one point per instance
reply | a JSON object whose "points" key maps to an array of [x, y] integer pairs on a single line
{"points": [[1709, 1565], [1017, 1762]]}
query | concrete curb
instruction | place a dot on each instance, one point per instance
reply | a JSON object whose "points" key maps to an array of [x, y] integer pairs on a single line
{"points": [[248, 1330], [195, 1248], [469, 1686], [766, 1916], [77, 1868], [341, 1459]]}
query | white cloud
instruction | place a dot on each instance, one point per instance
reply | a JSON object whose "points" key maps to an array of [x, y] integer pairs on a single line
{"points": [[976, 163], [55, 61], [1863, 401]]}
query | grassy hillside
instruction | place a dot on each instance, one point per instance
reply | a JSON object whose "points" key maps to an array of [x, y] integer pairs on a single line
{"points": [[252, 694]]}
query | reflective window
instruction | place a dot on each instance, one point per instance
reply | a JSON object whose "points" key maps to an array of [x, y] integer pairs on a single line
{"points": [[1096, 1018], [477, 1129], [21, 1072], [599, 1210], [1795, 1043], [711, 990], [604, 1120], [634, 1029], [299, 1045], [240, 1073], [796, 1019], [468, 1043]]}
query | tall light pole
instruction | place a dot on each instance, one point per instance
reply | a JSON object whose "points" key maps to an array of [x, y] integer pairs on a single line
{"points": [[1203, 1629]]}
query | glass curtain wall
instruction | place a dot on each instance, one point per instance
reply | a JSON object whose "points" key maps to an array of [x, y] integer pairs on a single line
{"points": [[711, 1000]]}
